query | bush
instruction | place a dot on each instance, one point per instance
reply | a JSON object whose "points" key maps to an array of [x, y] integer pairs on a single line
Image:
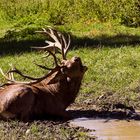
{"points": [[60, 12]]}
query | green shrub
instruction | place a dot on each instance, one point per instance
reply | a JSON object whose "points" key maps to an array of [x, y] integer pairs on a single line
{"points": [[60, 12]]}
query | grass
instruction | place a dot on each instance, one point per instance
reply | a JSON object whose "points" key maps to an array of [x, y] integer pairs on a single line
{"points": [[14, 130], [112, 54], [113, 70], [109, 49]]}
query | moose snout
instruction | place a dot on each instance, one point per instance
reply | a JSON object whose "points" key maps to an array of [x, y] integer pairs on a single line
{"points": [[76, 59]]}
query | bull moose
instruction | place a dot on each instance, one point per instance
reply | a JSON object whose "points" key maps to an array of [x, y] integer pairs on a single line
{"points": [[49, 94]]}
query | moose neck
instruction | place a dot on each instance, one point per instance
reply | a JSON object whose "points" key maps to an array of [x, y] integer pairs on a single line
{"points": [[68, 90], [65, 90], [72, 91]]}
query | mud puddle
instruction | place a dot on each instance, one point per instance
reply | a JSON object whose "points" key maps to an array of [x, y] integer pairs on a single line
{"points": [[110, 129]]}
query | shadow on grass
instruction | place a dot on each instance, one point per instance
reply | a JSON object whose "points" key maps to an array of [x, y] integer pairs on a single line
{"points": [[11, 46], [15, 47], [15, 41], [107, 41]]}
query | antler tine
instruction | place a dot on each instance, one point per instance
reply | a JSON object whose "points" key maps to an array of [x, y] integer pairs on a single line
{"points": [[69, 41], [10, 81], [34, 80], [54, 35], [55, 60], [6, 77], [43, 67], [11, 75], [15, 70], [59, 37], [66, 46], [54, 57], [59, 43]]}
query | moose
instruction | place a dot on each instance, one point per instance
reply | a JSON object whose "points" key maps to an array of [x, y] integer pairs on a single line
{"points": [[49, 94]]}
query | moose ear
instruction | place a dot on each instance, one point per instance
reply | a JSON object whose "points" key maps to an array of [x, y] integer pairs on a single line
{"points": [[55, 77]]}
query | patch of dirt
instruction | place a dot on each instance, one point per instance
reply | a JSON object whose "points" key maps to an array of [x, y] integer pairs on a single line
{"points": [[107, 105], [42, 130], [59, 129]]}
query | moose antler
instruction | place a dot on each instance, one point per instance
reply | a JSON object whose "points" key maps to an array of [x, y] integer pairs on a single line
{"points": [[34, 80], [59, 44], [9, 77]]}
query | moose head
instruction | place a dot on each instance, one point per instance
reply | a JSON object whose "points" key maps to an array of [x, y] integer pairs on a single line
{"points": [[49, 94]]}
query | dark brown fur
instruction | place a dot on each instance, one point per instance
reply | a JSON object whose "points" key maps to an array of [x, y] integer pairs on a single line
{"points": [[50, 96]]}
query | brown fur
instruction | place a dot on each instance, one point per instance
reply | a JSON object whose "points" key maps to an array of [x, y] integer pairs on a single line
{"points": [[50, 96]]}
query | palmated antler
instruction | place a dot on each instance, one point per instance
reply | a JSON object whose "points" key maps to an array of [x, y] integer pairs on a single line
{"points": [[59, 44]]}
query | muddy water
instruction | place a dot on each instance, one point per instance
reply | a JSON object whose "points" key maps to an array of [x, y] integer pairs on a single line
{"points": [[110, 129]]}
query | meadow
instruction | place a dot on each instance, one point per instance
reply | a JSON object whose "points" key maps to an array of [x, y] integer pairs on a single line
{"points": [[105, 34]]}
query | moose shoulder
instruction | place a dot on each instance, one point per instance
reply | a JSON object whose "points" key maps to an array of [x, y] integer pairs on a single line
{"points": [[50, 94]]}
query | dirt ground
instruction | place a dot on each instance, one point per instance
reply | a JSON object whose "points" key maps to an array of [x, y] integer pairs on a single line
{"points": [[58, 129]]}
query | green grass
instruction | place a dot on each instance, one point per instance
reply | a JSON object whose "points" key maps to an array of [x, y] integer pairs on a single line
{"points": [[111, 52], [112, 70], [100, 36], [115, 70]]}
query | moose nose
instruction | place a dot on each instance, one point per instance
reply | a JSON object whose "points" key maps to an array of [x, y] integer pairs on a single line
{"points": [[76, 58]]}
